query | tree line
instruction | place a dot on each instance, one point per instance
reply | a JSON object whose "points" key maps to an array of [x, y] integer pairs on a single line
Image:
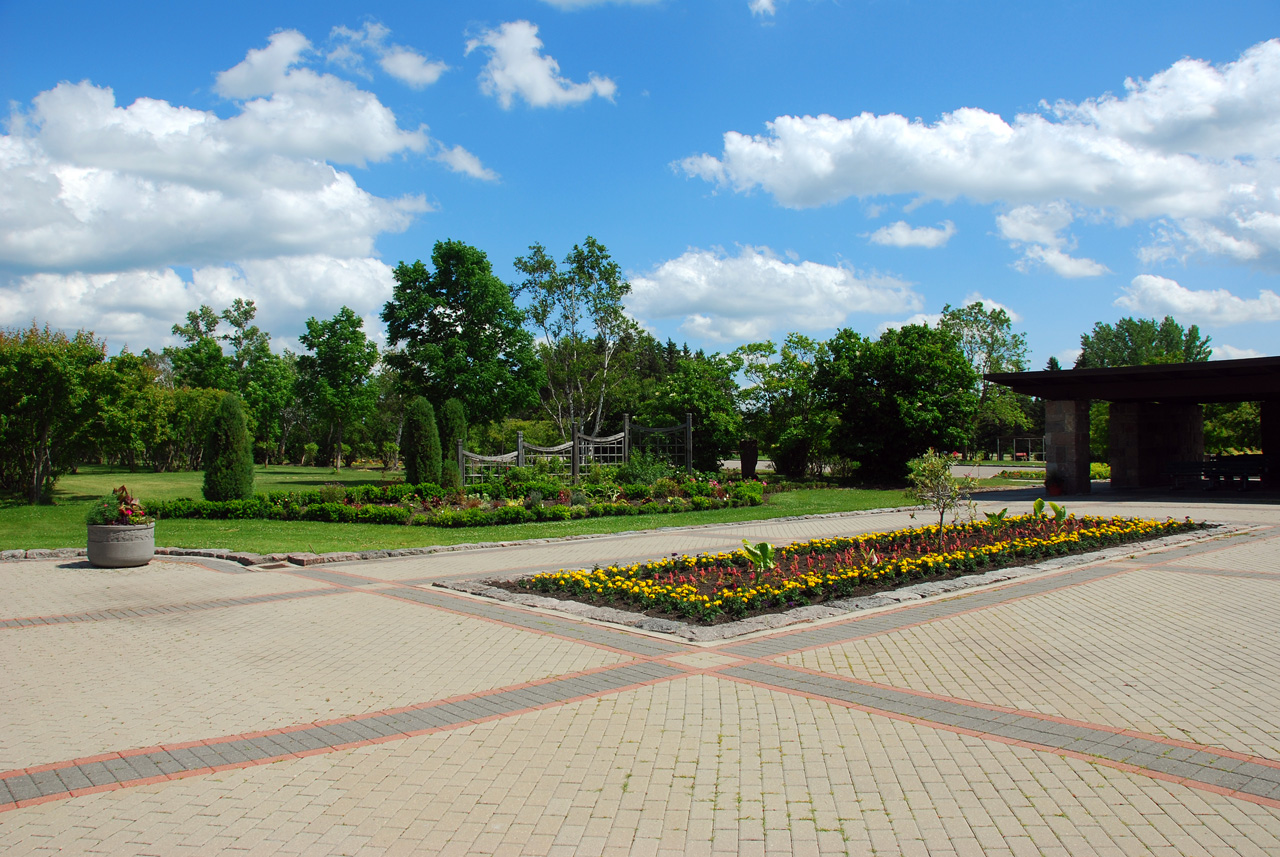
{"points": [[551, 353]]}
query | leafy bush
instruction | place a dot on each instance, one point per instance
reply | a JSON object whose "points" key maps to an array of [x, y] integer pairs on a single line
{"points": [[644, 468], [228, 453], [746, 494], [1099, 470]]}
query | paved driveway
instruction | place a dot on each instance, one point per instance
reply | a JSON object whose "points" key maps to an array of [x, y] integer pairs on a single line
{"points": [[1126, 706]]}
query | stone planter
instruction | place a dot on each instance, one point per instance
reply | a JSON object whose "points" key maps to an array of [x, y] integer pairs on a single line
{"points": [[114, 546]]}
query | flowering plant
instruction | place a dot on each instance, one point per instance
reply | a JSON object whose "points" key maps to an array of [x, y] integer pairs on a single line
{"points": [[118, 508]]}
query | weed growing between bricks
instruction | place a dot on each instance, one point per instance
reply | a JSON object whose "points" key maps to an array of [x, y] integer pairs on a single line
{"points": [[712, 588]]}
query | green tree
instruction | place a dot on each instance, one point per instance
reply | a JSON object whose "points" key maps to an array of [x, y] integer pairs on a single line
{"points": [[334, 378], [200, 363], [421, 446], [704, 387], [48, 412], [460, 334], [128, 419], [897, 396], [228, 457], [784, 410], [990, 345], [1141, 342], [453, 428], [1134, 342], [578, 311]]}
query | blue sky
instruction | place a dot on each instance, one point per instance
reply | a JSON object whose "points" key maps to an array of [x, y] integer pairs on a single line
{"points": [[756, 167]]}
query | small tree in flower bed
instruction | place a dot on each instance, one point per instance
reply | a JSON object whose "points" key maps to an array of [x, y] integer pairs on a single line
{"points": [[713, 587]]}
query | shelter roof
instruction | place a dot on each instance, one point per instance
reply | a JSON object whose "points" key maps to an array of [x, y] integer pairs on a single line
{"points": [[1249, 380]]}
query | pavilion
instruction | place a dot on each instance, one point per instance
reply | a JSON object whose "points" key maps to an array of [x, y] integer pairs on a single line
{"points": [[1156, 418]]}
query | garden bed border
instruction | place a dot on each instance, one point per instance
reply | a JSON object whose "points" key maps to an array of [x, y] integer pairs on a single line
{"points": [[834, 609]]}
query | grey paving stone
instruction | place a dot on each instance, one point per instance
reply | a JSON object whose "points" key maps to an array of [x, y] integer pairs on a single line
{"points": [[73, 778], [22, 787], [47, 782]]}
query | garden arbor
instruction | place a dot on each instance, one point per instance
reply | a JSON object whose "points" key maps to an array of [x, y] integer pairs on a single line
{"points": [[1156, 418]]}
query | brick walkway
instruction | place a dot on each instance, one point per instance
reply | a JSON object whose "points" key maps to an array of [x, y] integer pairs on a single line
{"points": [[1127, 706]]}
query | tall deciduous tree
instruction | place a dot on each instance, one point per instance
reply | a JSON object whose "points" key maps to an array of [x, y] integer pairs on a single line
{"points": [[578, 310], [989, 343], [460, 334], [48, 412], [705, 387], [897, 396], [1134, 342], [1140, 342], [784, 408], [335, 376]]}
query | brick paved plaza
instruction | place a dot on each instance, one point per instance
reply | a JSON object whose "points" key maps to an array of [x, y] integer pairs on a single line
{"points": [[1128, 705]]}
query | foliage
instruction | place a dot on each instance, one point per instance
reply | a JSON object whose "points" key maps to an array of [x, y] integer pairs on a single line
{"points": [[578, 310], [762, 556], [119, 509], [784, 407], [1141, 342], [421, 443], [1232, 426], [460, 334], [643, 468], [46, 385], [228, 458], [1099, 470], [703, 386], [936, 487], [335, 377], [896, 397], [1134, 342], [989, 344], [453, 428]]}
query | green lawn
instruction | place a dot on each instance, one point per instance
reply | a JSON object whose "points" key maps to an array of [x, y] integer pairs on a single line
{"points": [[62, 524]]}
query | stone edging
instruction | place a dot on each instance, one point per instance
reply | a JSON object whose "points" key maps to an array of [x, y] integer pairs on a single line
{"points": [[829, 609], [308, 559]]}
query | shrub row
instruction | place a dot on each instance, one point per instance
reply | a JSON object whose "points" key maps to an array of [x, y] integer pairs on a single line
{"points": [[363, 507]]}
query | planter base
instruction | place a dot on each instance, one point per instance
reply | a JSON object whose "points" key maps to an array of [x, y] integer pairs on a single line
{"points": [[112, 546]]}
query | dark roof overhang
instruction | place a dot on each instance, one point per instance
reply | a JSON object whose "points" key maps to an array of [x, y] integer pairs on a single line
{"points": [[1249, 380]]}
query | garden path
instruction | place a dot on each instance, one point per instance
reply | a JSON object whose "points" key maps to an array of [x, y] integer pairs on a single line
{"points": [[1123, 706]]}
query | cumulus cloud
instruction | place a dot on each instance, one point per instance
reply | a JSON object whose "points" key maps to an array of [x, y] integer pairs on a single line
{"points": [[101, 205], [403, 63], [92, 186], [1151, 295], [755, 294], [1038, 231], [517, 67], [1230, 352], [1197, 145], [902, 234], [763, 7], [137, 307]]}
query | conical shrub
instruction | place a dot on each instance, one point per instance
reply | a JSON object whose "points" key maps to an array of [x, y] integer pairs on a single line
{"points": [[420, 445], [228, 453]]}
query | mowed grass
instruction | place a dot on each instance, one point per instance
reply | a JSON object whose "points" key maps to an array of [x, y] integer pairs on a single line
{"points": [[62, 525]]}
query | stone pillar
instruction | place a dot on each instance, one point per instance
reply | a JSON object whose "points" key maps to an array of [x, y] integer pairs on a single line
{"points": [[1271, 442], [1146, 437], [1066, 444]]}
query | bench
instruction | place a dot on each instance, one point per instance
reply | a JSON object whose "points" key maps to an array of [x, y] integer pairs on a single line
{"points": [[1219, 469]]}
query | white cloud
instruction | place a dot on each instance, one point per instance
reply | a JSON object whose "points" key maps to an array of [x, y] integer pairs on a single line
{"points": [[138, 307], [1152, 295], [988, 304], [1037, 231], [756, 294], [1197, 145], [517, 67], [763, 7], [1230, 352], [404, 64], [92, 186], [902, 234], [928, 319], [460, 160]]}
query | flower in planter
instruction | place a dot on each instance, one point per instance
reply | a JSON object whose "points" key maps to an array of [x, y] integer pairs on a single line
{"points": [[119, 509]]}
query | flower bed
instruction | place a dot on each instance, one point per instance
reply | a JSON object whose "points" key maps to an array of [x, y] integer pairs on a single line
{"points": [[431, 505], [711, 588]]}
